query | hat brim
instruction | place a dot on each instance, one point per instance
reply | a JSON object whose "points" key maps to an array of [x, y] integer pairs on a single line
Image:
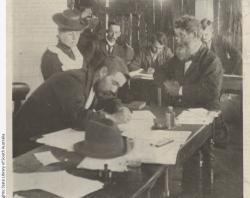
{"points": [[82, 149], [67, 24]]}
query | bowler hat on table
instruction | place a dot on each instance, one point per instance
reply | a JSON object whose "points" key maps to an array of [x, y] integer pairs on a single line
{"points": [[69, 20], [103, 139]]}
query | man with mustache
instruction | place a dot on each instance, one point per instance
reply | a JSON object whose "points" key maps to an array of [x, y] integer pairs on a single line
{"points": [[192, 78], [111, 45], [69, 99]]}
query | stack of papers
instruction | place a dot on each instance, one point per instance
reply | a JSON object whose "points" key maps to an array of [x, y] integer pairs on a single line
{"points": [[140, 74], [64, 139], [197, 116], [59, 183]]}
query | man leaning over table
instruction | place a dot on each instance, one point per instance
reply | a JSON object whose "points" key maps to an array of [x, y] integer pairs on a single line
{"points": [[192, 78], [68, 99]]}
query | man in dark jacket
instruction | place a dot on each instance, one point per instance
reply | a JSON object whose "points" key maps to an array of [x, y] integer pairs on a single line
{"points": [[154, 55], [192, 78], [107, 46], [68, 99], [230, 57], [149, 59]]}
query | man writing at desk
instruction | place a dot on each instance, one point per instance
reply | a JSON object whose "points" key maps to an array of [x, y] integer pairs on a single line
{"points": [[192, 78], [149, 59], [69, 99]]}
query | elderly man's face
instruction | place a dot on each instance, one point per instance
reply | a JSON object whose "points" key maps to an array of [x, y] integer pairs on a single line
{"points": [[207, 34], [69, 38], [183, 42], [108, 85], [182, 37], [114, 32]]}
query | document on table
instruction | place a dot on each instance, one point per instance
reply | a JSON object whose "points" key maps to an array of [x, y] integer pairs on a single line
{"points": [[140, 74], [46, 158], [59, 183], [140, 123], [142, 115], [196, 116], [118, 164], [144, 151], [64, 139]]}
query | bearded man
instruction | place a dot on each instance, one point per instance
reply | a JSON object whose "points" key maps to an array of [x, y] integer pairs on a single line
{"points": [[192, 78]]}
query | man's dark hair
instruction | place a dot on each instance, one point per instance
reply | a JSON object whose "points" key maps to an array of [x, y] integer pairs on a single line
{"points": [[113, 64], [159, 37], [206, 23], [112, 23], [189, 24]]}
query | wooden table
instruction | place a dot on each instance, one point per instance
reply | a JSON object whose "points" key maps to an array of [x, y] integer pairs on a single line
{"points": [[121, 184]]}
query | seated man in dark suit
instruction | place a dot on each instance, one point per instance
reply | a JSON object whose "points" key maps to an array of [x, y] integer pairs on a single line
{"points": [[192, 78], [230, 57], [68, 99], [149, 59]]}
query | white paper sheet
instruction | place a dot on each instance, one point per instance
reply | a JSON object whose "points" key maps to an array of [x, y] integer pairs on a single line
{"points": [[196, 116], [46, 158], [18, 196], [64, 139], [136, 72], [144, 76], [60, 183], [140, 74], [118, 164], [142, 115], [166, 154], [140, 123], [136, 128]]}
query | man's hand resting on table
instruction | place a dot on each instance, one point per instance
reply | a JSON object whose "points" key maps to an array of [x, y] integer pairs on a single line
{"points": [[123, 115]]}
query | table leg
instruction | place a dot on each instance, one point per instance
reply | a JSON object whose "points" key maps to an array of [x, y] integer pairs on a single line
{"points": [[166, 192], [207, 168]]}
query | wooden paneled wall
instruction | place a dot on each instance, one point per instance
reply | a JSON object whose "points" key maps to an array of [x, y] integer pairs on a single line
{"points": [[228, 20], [139, 18]]}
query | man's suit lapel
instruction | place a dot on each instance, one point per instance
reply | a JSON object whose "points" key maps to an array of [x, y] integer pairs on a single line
{"points": [[103, 47]]}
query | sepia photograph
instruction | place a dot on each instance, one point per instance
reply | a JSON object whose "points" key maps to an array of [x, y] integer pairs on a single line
{"points": [[125, 98]]}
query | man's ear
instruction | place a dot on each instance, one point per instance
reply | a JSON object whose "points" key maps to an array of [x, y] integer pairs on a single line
{"points": [[103, 71]]}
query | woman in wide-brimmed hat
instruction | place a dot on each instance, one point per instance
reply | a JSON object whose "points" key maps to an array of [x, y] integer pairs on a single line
{"points": [[65, 55]]}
